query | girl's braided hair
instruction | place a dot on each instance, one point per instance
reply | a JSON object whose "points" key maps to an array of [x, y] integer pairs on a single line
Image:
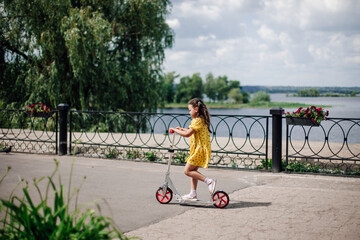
{"points": [[203, 110]]}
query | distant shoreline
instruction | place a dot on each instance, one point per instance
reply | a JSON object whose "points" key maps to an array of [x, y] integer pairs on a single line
{"points": [[246, 105]]}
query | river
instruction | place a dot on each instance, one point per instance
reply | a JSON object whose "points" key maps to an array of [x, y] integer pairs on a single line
{"points": [[341, 107]]}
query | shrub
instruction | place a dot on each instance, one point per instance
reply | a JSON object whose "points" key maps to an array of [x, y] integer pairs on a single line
{"points": [[180, 157], [260, 96], [22, 218], [133, 154], [112, 153], [151, 156]]}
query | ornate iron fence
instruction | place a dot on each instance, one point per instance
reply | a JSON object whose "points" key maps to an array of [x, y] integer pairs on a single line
{"points": [[27, 133], [333, 147], [237, 141]]}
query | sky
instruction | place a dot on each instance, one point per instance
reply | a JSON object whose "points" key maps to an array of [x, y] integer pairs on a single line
{"points": [[269, 43]]}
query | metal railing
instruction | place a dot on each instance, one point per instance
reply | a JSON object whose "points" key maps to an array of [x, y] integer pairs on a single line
{"points": [[237, 141], [333, 146], [27, 133]]}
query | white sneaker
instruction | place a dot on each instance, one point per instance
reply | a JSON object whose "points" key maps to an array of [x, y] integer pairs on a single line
{"points": [[212, 186], [189, 197]]}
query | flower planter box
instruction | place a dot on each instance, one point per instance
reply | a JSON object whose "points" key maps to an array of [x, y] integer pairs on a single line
{"points": [[301, 121]]}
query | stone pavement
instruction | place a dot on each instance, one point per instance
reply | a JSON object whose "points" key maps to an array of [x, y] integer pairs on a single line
{"points": [[262, 205]]}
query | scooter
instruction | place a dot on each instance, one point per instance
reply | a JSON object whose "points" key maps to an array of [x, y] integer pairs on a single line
{"points": [[165, 193]]}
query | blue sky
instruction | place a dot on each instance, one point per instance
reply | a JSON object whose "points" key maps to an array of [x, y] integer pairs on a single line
{"points": [[271, 43]]}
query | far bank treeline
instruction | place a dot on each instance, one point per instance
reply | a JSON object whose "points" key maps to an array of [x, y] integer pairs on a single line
{"points": [[216, 89]]}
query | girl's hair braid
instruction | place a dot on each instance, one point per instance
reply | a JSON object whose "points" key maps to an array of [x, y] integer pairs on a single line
{"points": [[203, 110]]}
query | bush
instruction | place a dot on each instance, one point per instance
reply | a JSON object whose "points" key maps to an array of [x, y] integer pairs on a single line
{"points": [[260, 96], [180, 157], [151, 156], [22, 218]]}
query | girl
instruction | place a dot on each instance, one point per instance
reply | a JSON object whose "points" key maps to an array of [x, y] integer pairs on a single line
{"points": [[200, 146]]}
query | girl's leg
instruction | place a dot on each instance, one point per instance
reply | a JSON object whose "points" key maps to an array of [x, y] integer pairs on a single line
{"points": [[195, 176], [194, 183], [192, 171]]}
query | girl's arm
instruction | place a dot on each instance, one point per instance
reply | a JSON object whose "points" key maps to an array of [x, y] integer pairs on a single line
{"points": [[185, 132]]}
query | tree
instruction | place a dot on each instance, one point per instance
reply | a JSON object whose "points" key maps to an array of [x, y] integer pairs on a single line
{"points": [[210, 87], [260, 96], [90, 54], [312, 92], [222, 87], [167, 86], [235, 95], [188, 88]]}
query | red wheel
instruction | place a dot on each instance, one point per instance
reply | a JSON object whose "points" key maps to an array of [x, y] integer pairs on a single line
{"points": [[221, 199], [164, 198]]}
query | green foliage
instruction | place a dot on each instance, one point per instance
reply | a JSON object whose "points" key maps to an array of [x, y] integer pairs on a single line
{"points": [[112, 153], [302, 167], [263, 164], [2, 146], [103, 55], [151, 156], [167, 87], [246, 97], [23, 218], [210, 87], [180, 157], [188, 88], [312, 92], [260, 96], [132, 154], [216, 89], [235, 95]]}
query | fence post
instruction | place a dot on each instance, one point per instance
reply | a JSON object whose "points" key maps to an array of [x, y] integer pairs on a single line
{"points": [[276, 138], [63, 109]]}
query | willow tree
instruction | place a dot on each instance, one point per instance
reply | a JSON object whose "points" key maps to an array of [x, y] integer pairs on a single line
{"points": [[91, 54]]}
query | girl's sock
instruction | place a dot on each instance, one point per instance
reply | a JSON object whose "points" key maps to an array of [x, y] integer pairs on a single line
{"points": [[208, 181], [193, 193]]}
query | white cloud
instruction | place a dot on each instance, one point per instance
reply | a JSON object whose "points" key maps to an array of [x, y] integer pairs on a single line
{"points": [[206, 38], [173, 23], [268, 42], [267, 33], [198, 9]]}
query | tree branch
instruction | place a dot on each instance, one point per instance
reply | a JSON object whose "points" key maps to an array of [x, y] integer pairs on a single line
{"points": [[7, 45]]}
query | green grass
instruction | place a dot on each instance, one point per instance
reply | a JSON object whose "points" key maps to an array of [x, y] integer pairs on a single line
{"points": [[247, 105]]}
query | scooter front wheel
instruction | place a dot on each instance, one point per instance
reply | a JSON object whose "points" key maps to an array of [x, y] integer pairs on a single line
{"points": [[221, 199], [162, 197]]}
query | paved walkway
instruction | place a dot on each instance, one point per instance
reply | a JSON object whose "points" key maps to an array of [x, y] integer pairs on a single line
{"points": [[263, 205]]}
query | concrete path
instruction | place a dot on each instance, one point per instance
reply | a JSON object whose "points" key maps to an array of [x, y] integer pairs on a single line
{"points": [[263, 205]]}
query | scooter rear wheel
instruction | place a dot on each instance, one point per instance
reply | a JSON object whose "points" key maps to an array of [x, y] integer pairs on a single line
{"points": [[164, 198], [221, 199]]}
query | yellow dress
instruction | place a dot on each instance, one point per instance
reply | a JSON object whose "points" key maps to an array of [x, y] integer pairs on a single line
{"points": [[200, 145]]}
